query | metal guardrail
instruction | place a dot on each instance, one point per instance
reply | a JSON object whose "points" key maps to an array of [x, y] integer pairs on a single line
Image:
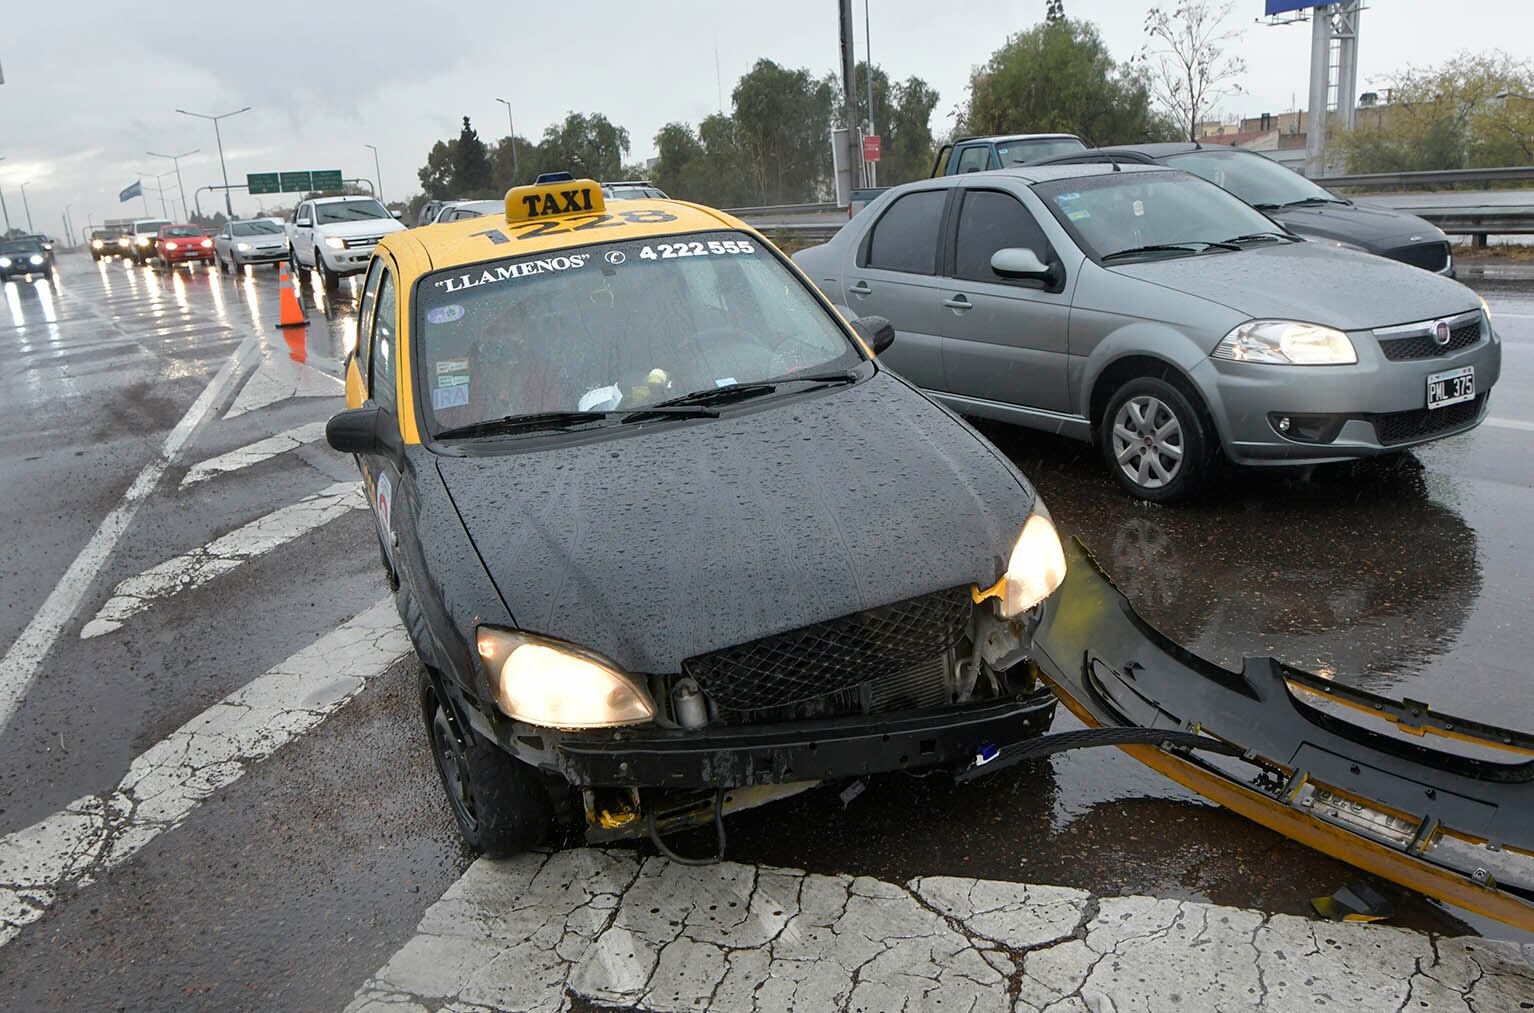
{"points": [[786, 209], [1441, 177], [1478, 223]]}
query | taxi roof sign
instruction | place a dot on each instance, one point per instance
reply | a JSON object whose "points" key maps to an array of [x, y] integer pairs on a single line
{"points": [[551, 200]]}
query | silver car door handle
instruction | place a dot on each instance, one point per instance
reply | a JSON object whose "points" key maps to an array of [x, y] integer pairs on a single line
{"points": [[860, 288], [959, 303]]}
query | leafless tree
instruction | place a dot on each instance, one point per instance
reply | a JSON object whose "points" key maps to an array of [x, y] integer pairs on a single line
{"points": [[1187, 60]]}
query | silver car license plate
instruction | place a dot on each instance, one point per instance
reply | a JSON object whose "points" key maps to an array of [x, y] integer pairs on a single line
{"points": [[1451, 387]]}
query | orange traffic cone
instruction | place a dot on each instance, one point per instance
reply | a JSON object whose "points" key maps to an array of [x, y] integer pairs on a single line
{"points": [[290, 313]]}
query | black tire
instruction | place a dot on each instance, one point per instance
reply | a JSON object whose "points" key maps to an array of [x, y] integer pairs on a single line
{"points": [[498, 802], [1166, 468], [328, 278]]}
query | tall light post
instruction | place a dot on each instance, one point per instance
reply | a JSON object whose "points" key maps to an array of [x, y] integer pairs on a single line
{"points": [[377, 174], [176, 160], [69, 229], [3, 209], [27, 206], [228, 202], [513, 135]]}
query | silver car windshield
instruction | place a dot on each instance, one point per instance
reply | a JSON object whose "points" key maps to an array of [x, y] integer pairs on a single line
{"points": [[616, 326], [1259, 181], [1154, 214], [257, 229]]}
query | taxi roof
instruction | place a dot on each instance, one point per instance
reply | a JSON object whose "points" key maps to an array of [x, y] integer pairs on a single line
{"points": [[468, 241]]}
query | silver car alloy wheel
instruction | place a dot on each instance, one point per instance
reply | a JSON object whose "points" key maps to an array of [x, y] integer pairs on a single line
{"points": [[1148, 442]]}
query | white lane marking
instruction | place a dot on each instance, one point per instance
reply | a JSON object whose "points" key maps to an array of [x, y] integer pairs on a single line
{"points": [[650, 934], [280, 378], [25, 656], [1493, 420], [164, 784], [254, 453], [194, 569]]}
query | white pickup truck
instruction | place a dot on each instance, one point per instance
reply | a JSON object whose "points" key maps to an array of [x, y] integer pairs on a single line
{"points": [[336, 235]]}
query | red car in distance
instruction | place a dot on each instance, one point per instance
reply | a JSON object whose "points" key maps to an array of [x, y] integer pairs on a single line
{"points": [[181, 244]]}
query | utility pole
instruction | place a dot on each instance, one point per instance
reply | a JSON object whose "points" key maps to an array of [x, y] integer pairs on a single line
{"points": [[512, 133], [870, 169], [27, 207], [377, 174], [1333, 31], [3, 209], [228, 203], [850, 95], [176, 159]]}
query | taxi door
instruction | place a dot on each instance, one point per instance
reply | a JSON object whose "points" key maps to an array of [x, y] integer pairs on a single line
{"points": [[372, 379]]}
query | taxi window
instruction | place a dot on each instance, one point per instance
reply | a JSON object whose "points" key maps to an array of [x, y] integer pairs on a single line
{"points": [[383, 386], [614, 326], [365, 317]]}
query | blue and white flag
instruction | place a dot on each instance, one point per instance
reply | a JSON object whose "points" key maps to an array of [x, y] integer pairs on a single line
{"points": [[130, 192]]}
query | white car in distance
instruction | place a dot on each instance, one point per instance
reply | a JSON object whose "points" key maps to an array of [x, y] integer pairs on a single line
{"points": [[335, 236], [257, 241]]}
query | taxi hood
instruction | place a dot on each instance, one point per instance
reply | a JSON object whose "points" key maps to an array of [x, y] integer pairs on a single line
{"points": [[686, 537]]}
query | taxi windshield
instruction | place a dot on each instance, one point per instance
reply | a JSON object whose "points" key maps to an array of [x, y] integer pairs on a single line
{"points": [[349, 211], [614, 327]]}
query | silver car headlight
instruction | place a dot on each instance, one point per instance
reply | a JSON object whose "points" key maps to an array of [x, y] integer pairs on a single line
{"points": [[555, 685], [1035, 568], [1286, 343], [242, 247]]}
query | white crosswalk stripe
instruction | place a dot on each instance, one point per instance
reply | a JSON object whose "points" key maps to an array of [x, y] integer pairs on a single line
{"points": [[278, 379], [254, 453], [618, 929], [194, 569], [214, 749]]}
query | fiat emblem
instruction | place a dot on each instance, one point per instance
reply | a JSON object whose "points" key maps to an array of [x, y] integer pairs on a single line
{"points": [[1441, 333]]}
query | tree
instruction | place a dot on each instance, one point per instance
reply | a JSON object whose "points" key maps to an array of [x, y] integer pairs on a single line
{"points": [[586, 146], [471, 164], [1467, 113], [782, 122], [1190, 69], [507, 175], [436, 175], [1059, 77], [902, 112]]}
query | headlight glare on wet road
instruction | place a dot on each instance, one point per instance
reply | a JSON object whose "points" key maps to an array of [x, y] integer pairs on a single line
{"points": [[1286, 343], [1036, 567], [546, 683]]}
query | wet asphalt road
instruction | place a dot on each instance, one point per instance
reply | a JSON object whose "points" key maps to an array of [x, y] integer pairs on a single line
{"points": [[287, 887]]}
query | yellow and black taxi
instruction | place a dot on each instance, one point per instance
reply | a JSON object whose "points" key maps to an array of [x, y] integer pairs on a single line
{"points": [[668, 539]]}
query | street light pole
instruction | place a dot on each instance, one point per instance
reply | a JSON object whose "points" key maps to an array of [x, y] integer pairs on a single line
{"points": [[377, 174], [176, 159], [228, 203], [3, 209], [27, 206], [512, 133]]}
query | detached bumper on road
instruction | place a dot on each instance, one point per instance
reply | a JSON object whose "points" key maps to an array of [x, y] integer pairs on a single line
{"points": [[1338, 769], [803, 751]]}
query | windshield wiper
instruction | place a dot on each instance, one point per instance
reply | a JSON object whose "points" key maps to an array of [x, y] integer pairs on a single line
{"points": [[522, 424], [1253, 237], [716, 395], [1193, 246], [1308, 201]]}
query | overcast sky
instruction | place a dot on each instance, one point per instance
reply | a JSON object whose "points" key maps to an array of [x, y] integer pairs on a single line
{"points": [[90, 85]]}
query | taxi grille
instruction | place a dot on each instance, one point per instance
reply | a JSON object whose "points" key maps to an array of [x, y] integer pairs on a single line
{"points": [[1403, 427], [1428, 256], [1422, 346], [896, 649]]}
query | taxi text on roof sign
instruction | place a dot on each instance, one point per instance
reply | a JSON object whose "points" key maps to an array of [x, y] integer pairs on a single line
{"points": [[551, 200]]}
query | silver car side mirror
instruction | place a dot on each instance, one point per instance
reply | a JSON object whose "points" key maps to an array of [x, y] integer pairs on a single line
{"points": [[1018, 262]]}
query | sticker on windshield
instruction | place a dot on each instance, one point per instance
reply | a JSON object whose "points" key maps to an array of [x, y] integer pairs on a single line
{"points": [[455, 396], [714, 248], [1078, 215], [444, 315], [1073, 195], [1139, 208], [506, 272], [452, 366]]}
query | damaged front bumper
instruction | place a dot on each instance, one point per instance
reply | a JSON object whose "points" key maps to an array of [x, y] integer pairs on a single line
{"points": [[1338, 769]]}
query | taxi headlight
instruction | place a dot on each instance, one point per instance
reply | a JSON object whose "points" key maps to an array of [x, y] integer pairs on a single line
{"points": [[335, 242], [242, 247], [1036, 566], [5, 261], [1288, 343], [544, 682]]}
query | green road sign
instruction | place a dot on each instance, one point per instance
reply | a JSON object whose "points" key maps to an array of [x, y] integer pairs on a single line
{"points": [[294, 182], [325, 179], [263, 182]]}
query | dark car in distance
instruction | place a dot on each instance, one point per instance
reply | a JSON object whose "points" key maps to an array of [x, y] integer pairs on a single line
{"points": [[24, 257], [1299, 205]]}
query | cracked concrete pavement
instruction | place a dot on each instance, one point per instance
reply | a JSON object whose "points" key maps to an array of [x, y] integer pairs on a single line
{"points": [[165, 783], [541, 932]]}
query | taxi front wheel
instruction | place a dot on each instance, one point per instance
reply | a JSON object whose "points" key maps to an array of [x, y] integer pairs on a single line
{"points": [[499, 804]]}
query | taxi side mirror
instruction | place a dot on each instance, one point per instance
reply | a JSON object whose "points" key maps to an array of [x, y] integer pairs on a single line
{"points": [[360, 430], [878, 332]]}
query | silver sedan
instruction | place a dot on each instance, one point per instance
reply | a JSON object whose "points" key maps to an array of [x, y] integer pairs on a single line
{"points": [[1154, 314], [257, 241]]}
